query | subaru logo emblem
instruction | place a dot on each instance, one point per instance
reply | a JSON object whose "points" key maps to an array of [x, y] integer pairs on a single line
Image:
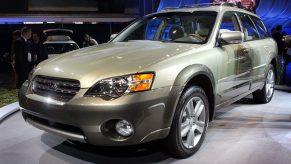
{"points": [[53, 86]]}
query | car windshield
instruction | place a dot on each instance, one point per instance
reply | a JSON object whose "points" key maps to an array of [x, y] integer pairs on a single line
{"points": [[182, 27], [59, 48]]}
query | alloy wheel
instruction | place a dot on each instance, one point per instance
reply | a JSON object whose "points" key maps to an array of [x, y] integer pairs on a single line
{"points": [[270, 82], [192, 122]]}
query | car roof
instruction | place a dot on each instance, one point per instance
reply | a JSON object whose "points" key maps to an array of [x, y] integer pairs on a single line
{"points": [[217, 9], [58, 38], [57, 31], [60, 42]]}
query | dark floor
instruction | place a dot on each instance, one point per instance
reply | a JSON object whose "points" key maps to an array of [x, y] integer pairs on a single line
{"points": [[7, 80], [243, 133]]}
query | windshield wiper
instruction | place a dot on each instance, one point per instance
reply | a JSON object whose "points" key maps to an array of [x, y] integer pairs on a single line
{"points": [[175, 41]]}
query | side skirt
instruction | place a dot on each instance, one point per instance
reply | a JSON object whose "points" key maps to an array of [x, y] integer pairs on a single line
{"points": [[235, 99]]}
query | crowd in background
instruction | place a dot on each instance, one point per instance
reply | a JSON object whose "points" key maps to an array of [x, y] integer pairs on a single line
{"points": [[249, 5], [89, 41], [284, 56], [28, 51]]}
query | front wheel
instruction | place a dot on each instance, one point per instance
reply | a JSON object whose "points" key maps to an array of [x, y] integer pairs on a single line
{"points": [[189, 125], [266, 94]]}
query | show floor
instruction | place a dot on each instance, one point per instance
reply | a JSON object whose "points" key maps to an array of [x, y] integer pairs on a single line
{"points": [[243, 133]]}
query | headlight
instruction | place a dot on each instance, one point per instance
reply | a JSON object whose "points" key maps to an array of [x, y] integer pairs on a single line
{"points": [[117, 86], [30, 74]]}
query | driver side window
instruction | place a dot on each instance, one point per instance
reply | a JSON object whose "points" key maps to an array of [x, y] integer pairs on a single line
{"points": [[229, 23]]}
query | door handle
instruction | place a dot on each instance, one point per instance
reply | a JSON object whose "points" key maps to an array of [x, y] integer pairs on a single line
{"points": [[246, 51]]}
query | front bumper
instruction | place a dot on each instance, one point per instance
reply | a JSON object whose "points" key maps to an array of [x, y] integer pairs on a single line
{"points": [[84, 118]]}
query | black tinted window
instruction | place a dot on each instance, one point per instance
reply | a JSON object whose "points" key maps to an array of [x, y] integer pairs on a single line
{"points": [[261, 27], [249, 28]]}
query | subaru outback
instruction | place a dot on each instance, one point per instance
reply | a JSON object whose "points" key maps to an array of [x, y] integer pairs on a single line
{"points": [[162, 78]]}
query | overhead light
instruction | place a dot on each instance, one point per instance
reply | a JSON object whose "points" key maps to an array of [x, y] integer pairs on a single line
{"points": [[50, 22], [78, 22], [32, 22]]}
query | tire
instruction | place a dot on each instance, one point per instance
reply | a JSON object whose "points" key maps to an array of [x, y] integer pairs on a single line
{"points": [[184, 142], [266, 94]]}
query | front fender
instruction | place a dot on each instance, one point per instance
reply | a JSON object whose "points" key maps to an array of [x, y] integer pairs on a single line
{"points": [[180, 83], [191, 71]]}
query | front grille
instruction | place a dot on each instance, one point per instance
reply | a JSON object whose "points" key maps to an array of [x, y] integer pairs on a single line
{"points": [[55, 88]]}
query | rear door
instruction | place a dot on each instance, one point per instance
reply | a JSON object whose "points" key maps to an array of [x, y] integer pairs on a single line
{"points": [[256, 40], [262, 52]]}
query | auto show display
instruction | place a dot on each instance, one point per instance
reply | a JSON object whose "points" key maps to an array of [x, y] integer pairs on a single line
{"points": [[162, 78], [59, 41]]}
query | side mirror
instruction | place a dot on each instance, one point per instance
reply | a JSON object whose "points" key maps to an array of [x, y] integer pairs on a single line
{"points": [[113, 36], [230, 37]]}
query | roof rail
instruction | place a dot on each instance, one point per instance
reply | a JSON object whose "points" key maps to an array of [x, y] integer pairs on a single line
{"points": [[170, 8], [202, 4], [187, 6], [215, 4], [229, 4]]}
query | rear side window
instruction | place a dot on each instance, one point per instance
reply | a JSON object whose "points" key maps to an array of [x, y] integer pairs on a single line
{"points": [[260, 27], [249, 28], [229, 23]]}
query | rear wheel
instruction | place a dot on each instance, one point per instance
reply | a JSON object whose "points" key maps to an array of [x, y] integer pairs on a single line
{"points": [[266, 94], [189, 125]]}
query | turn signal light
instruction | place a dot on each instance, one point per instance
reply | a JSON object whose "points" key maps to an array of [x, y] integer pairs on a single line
{"points": [[141, 82]]}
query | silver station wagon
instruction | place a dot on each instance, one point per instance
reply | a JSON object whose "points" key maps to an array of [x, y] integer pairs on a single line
{"points": [[162, 78]]}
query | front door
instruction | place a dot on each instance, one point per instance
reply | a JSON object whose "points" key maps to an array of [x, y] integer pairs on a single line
{"points": [[234, 64]]}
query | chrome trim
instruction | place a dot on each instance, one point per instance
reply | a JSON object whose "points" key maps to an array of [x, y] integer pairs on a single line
{"points": [[43, 99], [153, 132], [260, 66], [162, 105], [233, 76], [55, 88], [242, 74]]}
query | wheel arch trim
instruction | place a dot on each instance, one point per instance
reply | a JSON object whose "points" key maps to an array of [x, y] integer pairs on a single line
{"points": [[180, 83]]}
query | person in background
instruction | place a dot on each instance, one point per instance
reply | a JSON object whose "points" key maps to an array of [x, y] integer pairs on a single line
{"points": [[89, 41], [284, 33], [273, 31], [39, 51], [278, 38], [16, 35], [23, 58], [239, 5], [252, 7]]}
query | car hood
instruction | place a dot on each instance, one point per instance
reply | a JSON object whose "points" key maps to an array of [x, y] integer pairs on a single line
{"points": [[91, 64]]}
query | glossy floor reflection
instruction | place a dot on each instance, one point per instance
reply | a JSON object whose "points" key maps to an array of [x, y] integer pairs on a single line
{"points": [[242, 133]]}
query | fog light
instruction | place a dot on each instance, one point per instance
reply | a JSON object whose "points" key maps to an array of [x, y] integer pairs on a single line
{"points": [[124, 128]]}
